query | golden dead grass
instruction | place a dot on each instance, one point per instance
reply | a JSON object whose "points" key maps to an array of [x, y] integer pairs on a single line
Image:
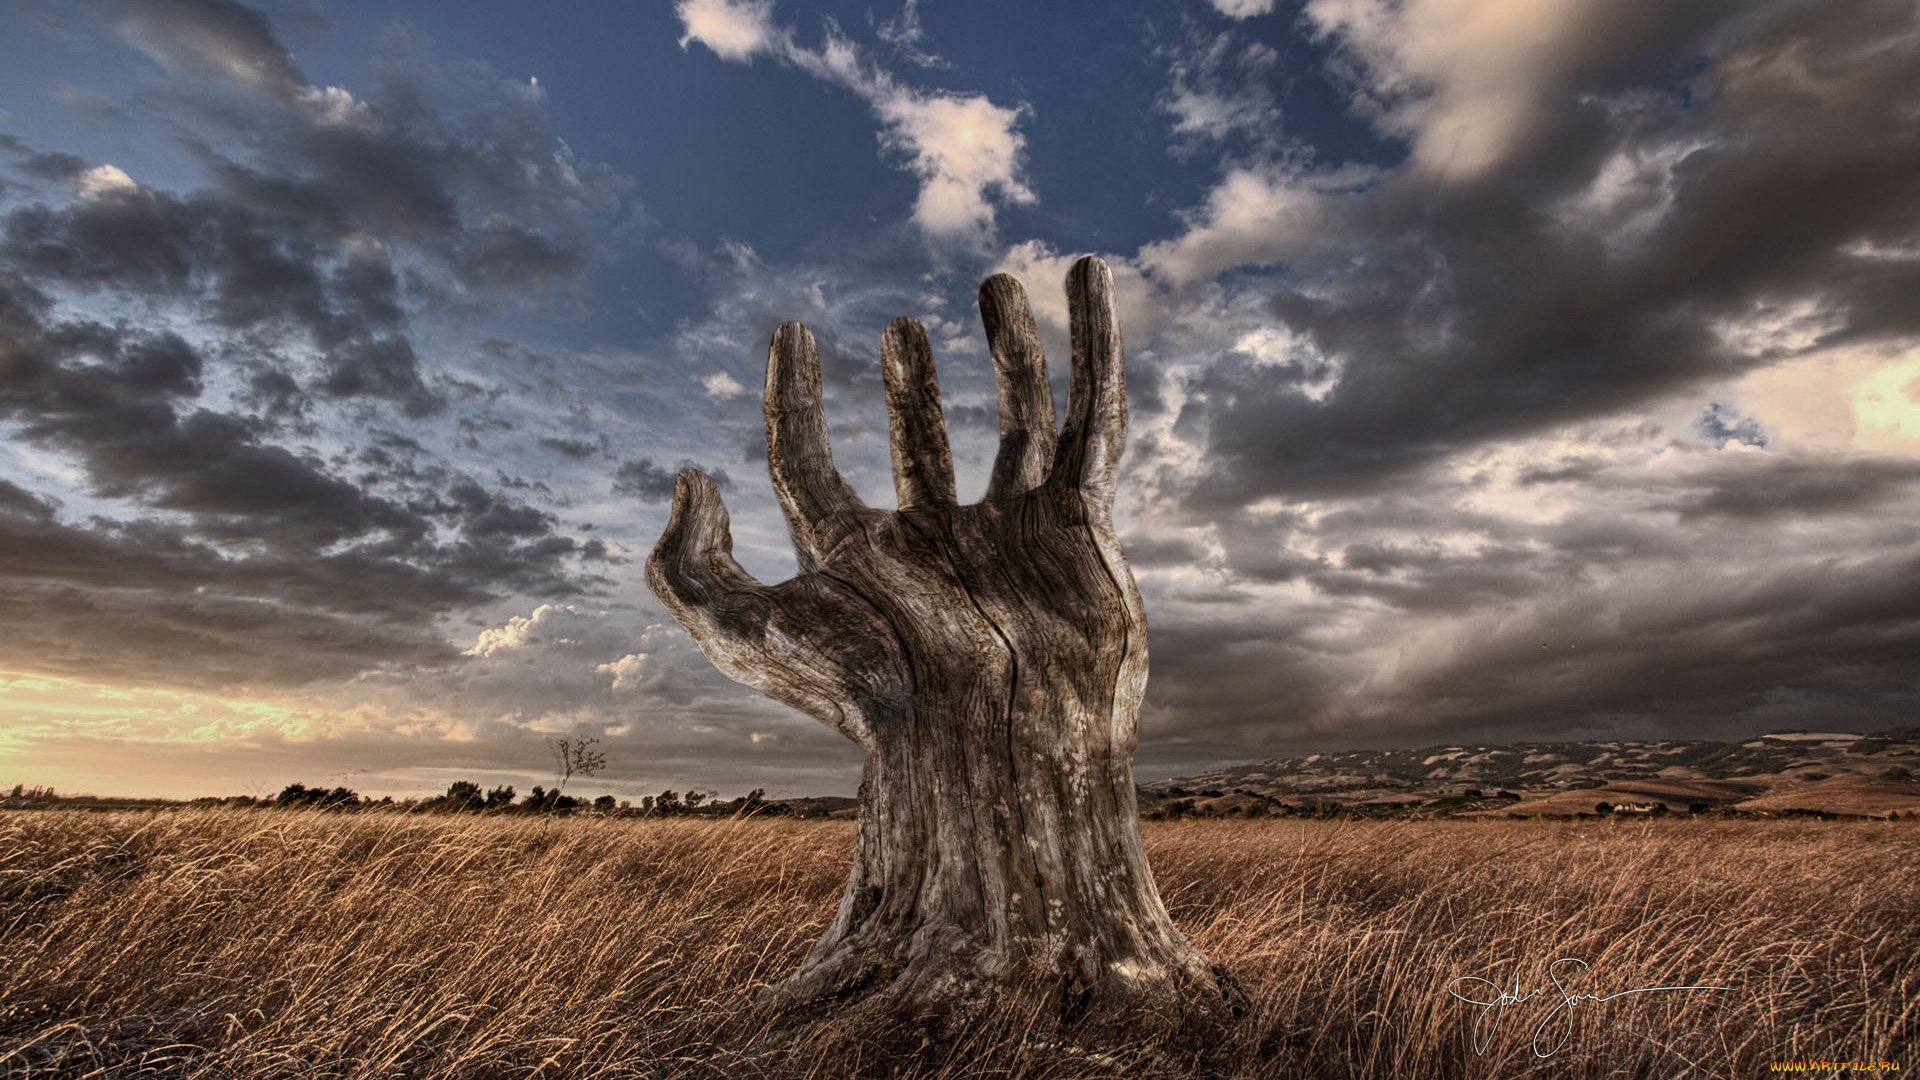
{"points": [[1860, 795], [235, 943]]}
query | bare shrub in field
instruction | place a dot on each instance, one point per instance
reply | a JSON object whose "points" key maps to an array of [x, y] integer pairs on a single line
{"points": [[235, 943]]}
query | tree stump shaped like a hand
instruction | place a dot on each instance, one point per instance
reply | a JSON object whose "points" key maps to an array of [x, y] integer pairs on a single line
{"points": [[990, 660]]}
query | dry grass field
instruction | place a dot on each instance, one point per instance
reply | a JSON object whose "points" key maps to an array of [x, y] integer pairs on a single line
{"points": [[257, 943]]}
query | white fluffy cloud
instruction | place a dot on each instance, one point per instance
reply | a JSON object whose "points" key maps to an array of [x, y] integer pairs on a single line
{"points": [[967, 151], [722, 385], [1256, 215], [626, 672], [103, 180], [544, 626], [1243, 9], [736, 30]]}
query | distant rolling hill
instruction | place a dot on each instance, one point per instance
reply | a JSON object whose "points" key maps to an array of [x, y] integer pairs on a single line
{"points": [[1785, 772]]}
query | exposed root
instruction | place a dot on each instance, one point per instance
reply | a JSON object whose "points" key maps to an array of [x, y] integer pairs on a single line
{"points": [[1185, 1013]]}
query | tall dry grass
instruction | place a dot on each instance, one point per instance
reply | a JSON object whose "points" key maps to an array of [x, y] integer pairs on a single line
{"points": [[234, 943]]}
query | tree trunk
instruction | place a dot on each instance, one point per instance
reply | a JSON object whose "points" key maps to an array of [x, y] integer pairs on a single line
{"points": [[990, 659]]}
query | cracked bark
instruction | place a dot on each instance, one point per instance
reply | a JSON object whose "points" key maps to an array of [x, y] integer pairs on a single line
{"points": [[990, 660]]}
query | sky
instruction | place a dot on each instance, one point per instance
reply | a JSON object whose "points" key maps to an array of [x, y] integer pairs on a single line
{"points": [[1499, 370]]}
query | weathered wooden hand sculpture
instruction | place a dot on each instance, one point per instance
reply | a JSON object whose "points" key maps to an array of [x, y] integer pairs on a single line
{"points": [[990, 659]]}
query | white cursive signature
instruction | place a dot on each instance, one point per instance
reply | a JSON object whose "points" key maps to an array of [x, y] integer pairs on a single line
{"points": [[1495, 1006]]}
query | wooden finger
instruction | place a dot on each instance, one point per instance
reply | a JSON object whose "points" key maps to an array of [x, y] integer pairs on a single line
{"points": [[922, 464], [692, 570], [1088, 456], [810, 489], [792, 642], [1020, 375]]}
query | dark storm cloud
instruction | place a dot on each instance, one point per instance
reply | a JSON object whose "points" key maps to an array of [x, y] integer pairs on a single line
{"points": [[88, 601], [383, 367], [1566, 470], [81, 600], [54, 166], [107, 397], [1508, 645], [1269, 560], [1249, 673], [1507, 455], [1374, 558], [482, 514], [136, 242], [643, 480], [648, 482], [208, 39], [1829, 640], [1698, 594], [577, 449], [304, 263], [1150, 551], [274, 397], [446, 168], [20, 502], [281, 571], [503, 255], [245, 270], [1792, 488], [1472, 310], [1434, 582], [248, 273]]}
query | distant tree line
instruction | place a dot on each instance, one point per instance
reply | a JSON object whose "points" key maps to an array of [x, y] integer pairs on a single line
{"points": [[467, 797]]}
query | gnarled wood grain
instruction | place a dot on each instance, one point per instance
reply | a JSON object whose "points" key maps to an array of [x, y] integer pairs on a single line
{"points": [[990, 659]]}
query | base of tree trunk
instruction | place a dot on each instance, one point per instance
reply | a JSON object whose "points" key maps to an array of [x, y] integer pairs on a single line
{"points": [[958, 911], [1189, 1006], [1190, 1032]]}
